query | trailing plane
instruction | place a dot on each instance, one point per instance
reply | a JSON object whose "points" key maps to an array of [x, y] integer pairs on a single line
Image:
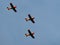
{"points": [[30, 34]]}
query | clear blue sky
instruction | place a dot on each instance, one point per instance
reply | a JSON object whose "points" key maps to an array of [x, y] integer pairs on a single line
{"points": [[13, 25]]}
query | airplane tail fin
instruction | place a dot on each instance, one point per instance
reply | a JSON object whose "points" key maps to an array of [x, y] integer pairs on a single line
{"points": [[8, 8], [27, 35], [26, 19]]}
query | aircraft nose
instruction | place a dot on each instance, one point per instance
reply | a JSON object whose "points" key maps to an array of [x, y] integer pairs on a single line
{"points": [[14, 6]]}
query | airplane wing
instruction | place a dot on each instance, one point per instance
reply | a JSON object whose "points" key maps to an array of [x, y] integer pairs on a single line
{"points": [[31, 34], [11, 4], [13, 7], [32, 21], [29, 15], [31, 18]]}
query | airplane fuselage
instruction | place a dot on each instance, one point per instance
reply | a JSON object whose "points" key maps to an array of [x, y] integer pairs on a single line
{"points": [[31, 18]]}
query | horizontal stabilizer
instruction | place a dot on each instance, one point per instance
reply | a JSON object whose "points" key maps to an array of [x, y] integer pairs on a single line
{"points": [[26, 19], [8, 8], [27, 35]]}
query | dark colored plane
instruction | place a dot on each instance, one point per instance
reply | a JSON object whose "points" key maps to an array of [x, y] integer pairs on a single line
{"points": [[30, 34], [12, 7], [30, 18]]}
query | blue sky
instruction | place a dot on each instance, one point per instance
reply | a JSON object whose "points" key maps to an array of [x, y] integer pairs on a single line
{"points": [[13, 25]]}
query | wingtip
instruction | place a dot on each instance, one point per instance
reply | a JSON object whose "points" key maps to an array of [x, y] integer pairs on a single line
{"points": [[34, 38], [33, 22], [15, 11], [28, 29], [28, 14], [10, 2]]}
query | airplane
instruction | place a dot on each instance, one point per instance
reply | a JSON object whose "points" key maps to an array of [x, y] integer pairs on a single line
{"points": [[30, 18], [30, 34], [12, 7]]}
